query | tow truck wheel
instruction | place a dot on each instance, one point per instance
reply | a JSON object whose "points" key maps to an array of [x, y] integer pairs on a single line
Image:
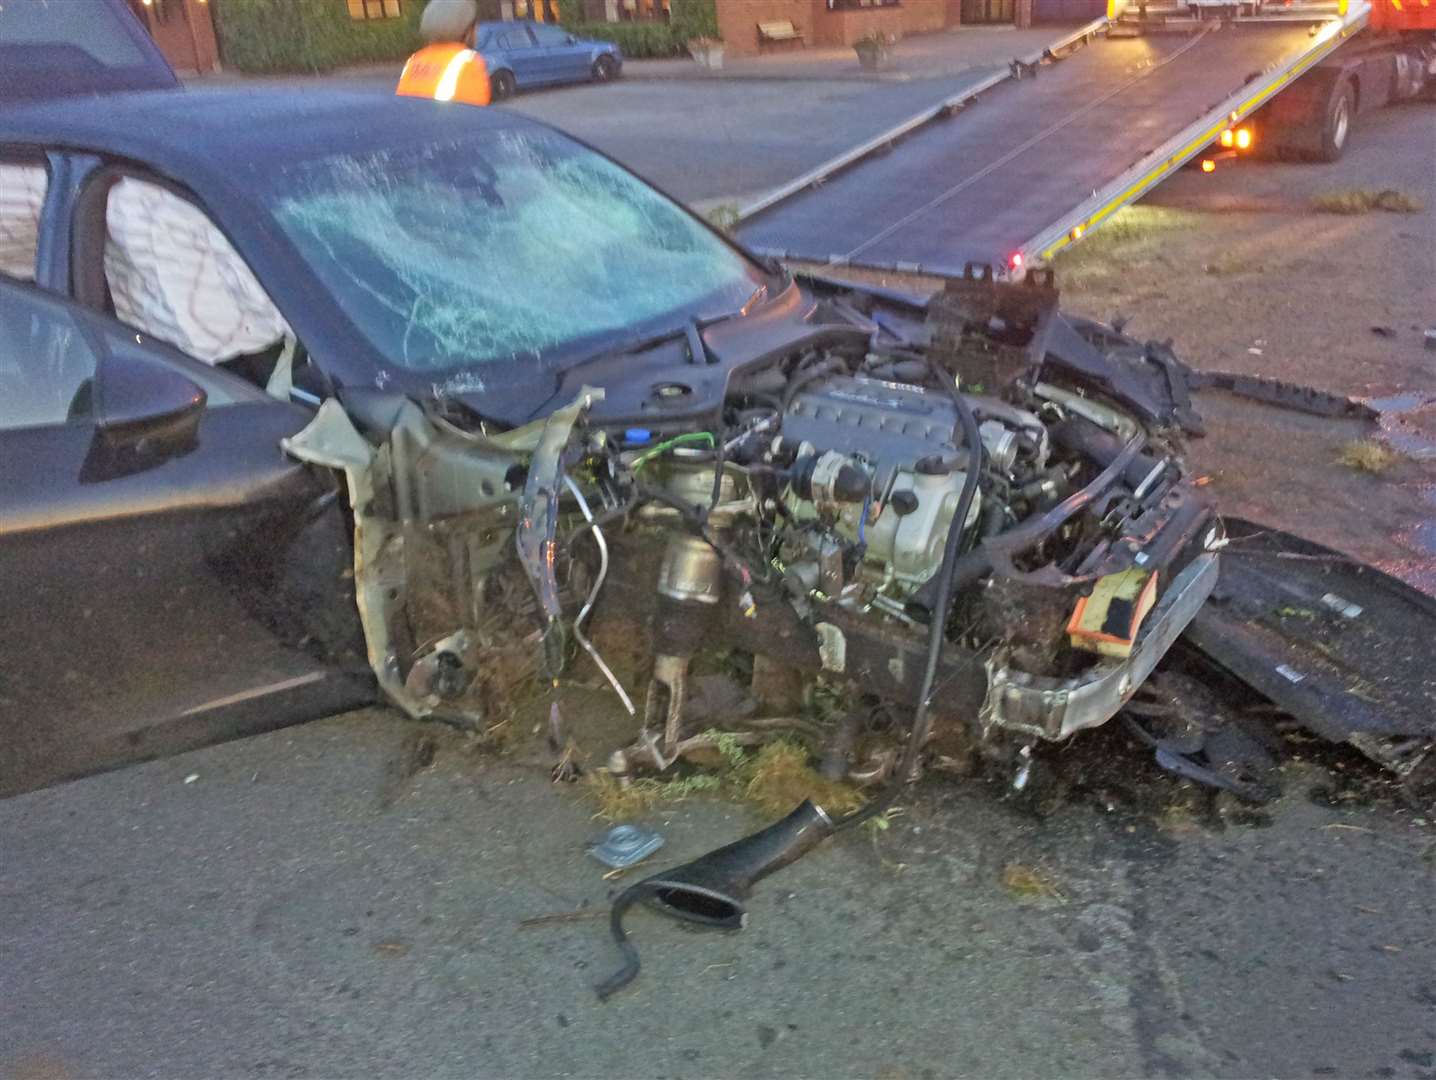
{"points": [[501, 85], [1336, 128]]}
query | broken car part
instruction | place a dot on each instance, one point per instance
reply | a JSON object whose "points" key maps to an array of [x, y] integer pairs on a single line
{"points": [[1283, 395], [711, 890], [626, 845], [811, 485], [1342, 647], [1195, 735]]}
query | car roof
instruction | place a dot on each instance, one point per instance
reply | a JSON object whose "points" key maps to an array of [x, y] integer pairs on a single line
{"points": [[205, 136]]}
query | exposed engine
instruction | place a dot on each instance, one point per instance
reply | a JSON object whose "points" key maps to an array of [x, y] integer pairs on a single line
{"points": [[921, 501]]}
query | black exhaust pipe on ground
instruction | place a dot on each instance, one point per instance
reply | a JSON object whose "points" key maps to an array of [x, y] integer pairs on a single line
{"points": [[711, 889]]}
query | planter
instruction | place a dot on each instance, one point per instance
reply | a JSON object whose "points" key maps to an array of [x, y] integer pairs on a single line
{"points": [[871, 56], [710, 56]]}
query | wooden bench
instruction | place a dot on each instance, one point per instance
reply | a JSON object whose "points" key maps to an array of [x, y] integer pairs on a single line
{"points": [[779, 30]]}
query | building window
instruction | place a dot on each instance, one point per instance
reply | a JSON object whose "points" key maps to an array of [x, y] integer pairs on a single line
{"points": [[855, 5], [375, 9]]}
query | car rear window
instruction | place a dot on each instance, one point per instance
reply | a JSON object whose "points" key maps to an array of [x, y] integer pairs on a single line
{"points": [[84, 27], [50, 48]]}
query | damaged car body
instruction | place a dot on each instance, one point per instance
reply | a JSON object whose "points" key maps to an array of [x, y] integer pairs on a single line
{"points": [[783, 481]]}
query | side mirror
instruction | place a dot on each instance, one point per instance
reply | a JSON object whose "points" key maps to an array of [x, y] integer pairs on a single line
{"points": [[145, 412]]}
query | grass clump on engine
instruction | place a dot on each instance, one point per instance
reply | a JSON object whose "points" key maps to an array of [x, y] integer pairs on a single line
{"points": [[781, 777], [775, 778], [623, 802]]}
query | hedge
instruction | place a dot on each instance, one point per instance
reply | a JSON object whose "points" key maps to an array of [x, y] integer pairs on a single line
{"points": [[264, 36], [693, 19], [638, 40], [570, 13]]}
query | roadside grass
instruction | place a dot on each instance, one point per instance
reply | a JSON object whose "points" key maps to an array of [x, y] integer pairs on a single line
{"points": [[1366, 200], [1129, 239], [1367, 455]]}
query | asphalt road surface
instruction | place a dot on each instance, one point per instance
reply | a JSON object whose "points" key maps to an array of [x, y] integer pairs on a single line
{"points": [[317, 902]]}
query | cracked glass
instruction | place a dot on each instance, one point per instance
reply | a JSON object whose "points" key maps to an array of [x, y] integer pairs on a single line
{"points": [[505, 248]]}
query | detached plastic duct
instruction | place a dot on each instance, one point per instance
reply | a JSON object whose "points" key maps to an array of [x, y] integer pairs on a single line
{"points": [[710, 890], [174, 275]]}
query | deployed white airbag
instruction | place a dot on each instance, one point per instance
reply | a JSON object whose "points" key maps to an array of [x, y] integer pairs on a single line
{"points": [[22, 193], [173, 274]]}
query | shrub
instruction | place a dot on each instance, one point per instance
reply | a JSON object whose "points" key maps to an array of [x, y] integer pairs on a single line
{"points": [[693, 19], [263, 36], [638, 40]]}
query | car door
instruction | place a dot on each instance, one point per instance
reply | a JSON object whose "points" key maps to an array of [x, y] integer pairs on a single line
{"points": [[524, 56], [563, 59], [170, 577]]}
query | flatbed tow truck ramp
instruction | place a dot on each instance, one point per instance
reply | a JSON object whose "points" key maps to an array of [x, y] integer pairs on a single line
{"points": [[1025, 163]]}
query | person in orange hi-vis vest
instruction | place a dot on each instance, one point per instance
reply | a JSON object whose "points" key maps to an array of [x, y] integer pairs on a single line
{"points": [[446, 69]]}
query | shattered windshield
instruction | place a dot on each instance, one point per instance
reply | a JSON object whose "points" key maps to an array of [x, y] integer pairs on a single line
{"points": [[518, 246]]}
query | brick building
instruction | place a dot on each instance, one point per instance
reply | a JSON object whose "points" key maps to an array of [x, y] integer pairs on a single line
{"points": [[832, 22], [827, 23], [184, 31]]}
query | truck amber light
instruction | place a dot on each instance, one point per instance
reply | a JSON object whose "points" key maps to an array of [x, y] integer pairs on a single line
{"points": [[1208, 165], [1077, 232], [1228, 139], [1244, 138]]}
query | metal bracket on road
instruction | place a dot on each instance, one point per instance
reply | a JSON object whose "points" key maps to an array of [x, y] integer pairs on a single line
{"points": [[1284, 395]]}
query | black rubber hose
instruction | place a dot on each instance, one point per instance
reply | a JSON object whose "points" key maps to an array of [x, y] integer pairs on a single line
{"points": [[831, 366], [937, 629]]}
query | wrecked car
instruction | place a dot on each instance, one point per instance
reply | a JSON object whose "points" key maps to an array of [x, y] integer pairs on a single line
{"points": [[542, 386], [297, 407]]}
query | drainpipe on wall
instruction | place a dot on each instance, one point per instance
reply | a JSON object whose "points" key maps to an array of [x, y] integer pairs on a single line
{"points": [[193, 37]]}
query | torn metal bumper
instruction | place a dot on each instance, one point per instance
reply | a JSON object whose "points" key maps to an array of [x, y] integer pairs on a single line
{"points": [[1050, 708]]}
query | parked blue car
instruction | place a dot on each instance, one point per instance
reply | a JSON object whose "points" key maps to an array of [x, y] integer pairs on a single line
{"points": [[521, 54]]}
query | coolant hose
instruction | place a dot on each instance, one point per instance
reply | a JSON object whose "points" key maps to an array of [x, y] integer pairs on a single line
{"points": [[942, 605]]}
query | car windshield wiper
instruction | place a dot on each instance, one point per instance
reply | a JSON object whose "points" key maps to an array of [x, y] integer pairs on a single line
{"points": [[692, 329]]}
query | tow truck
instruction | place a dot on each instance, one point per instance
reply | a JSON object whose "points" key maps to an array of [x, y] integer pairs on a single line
{"points": [[1032, 159]]}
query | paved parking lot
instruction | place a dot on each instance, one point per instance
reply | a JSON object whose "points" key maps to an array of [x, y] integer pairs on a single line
{"points": [[706, 142], [709, 139]]}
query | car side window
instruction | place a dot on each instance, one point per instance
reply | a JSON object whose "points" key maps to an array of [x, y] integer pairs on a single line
{"points": [[516, 39], [22, 194], [47, 362], [174, 275], [550, 35]]}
